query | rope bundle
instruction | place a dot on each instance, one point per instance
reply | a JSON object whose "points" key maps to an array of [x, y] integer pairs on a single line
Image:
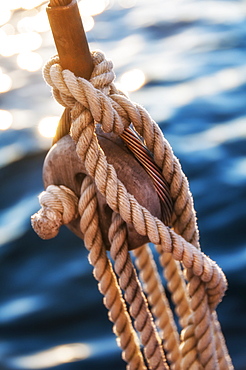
{"points": [[200, 345]]}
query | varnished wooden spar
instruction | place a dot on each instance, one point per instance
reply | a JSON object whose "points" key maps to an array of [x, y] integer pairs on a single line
{"points": [[74, 54], [69, 36], [72, 47]]}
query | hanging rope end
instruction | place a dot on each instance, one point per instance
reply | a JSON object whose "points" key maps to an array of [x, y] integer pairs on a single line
{"points": [[59, 206], [46, 223]]}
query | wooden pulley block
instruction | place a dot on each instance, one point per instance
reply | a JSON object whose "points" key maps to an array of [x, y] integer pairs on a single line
{"points": [[62, 166]]}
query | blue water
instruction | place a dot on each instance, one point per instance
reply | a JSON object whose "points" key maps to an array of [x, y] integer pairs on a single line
{"points": [[193, 56]]}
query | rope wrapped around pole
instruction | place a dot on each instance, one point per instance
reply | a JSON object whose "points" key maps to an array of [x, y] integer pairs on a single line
{"points": [[89, 105]]}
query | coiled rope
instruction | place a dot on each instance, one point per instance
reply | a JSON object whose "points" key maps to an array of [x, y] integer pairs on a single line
{"points": [[195, 282]]}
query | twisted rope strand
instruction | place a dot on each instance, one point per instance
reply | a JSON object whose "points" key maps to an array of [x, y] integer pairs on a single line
{"points": [[159, 304], [134, 296], [176, 285], [224, 359], [203, 328], [104, 274]]}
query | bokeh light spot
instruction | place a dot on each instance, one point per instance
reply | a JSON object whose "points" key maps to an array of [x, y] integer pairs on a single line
{"points": [[39, 23], [5, 15], [5, 82], [6, 119], [229, 78], [30, 4], [55, 356], [22, 42], [30, 61], [92, 7], [127, 3], [88, 23], [132, 80], [47, 126], [182, 94]]}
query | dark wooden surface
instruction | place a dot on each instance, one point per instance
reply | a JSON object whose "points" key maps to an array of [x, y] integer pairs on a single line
{"points": [[63, 167]]}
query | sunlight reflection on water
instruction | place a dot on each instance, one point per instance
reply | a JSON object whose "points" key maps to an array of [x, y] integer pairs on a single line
{"points": [[88, 7], [53, 356], [6, 118], [31, 61], [21, 306], [21, 42], [5, 82], [47, 126], [38, 23], [132, 80]]}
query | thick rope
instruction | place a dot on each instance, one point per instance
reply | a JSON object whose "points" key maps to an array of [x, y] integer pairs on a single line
{"points": [[159, 304], [224, 359], [134, 295], [176, 285], [202, 327], [104, 274], [98, 101]]}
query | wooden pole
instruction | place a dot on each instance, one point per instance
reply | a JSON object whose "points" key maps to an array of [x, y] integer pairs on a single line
{"points": [[72, 47], [69, 37]]}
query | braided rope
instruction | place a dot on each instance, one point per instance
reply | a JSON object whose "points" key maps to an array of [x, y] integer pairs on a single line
{"points": [[159, 304], [98, 101]]}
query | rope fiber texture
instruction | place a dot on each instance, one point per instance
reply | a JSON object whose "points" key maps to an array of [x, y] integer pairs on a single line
{"points": [[195, 282]]}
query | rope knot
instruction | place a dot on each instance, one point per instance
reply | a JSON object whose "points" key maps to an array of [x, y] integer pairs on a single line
{"points": [[92, 96], [102, 75], [59, 206]]}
